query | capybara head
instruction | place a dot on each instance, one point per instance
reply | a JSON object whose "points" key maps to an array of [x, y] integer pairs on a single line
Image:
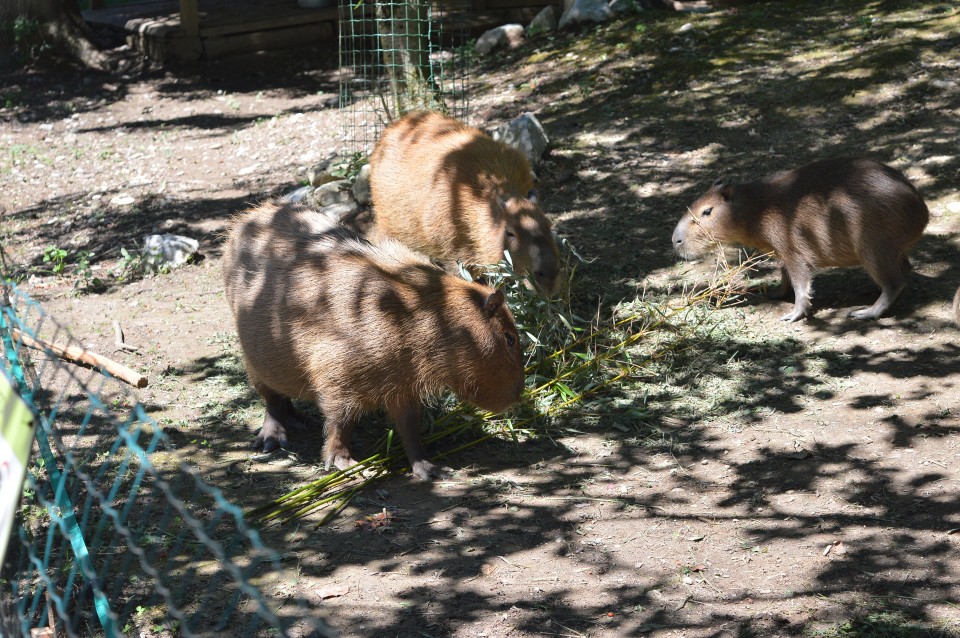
{"points": [[493, 380], [529, 238], [708, 222]]}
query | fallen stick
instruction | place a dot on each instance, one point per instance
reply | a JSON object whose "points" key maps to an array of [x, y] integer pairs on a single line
{"points": [[118, 338], [75, 354]]}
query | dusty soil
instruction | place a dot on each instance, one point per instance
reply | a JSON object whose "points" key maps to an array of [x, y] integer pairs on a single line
{"points": [[777, 480]]}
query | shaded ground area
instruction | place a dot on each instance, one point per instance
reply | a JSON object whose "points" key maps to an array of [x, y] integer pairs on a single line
{"points": [[768, 479]]}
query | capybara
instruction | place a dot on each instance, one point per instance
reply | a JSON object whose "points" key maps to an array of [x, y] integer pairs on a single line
{"points": [[834, 212], [452, 192], [326, 316]]}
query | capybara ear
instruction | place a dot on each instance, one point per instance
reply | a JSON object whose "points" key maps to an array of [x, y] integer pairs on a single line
{"points": [[493, 303], [532, 195], [727, 192]]}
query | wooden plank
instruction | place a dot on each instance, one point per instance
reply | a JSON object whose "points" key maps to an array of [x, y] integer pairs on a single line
{"points": [[316, 33], [228, 26]]}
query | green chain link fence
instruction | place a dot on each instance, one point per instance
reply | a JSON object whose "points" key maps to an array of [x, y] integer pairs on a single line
{"points": [[113, 536], [397, 57]]}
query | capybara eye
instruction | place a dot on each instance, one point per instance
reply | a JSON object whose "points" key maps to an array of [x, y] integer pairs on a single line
{"points": [[706, 211], [510, 339], [511, 235]]}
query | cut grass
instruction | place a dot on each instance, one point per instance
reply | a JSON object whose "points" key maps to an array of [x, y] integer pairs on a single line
{"points": [[571, 360]]}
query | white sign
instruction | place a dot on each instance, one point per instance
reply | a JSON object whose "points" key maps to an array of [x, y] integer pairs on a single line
{"points": [[16, 438]]}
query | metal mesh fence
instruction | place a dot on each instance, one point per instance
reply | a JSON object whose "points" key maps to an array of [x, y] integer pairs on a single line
{"points": [[114, 536], [397, 57]]}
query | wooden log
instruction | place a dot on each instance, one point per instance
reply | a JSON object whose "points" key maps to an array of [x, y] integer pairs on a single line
{"points": [[80, 356]]}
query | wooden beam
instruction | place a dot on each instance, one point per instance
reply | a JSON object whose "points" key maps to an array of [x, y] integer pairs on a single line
{"points": [[190, 17]]}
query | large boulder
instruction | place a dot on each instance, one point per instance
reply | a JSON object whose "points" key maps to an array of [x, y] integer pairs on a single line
{"points": [[578, 11], [509, 35], [527, 134], [544, 22]]}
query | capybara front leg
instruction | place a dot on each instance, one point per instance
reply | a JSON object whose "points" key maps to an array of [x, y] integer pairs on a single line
{"points": [[273, 433], [337, 429], [801, 278], [407, 418]]}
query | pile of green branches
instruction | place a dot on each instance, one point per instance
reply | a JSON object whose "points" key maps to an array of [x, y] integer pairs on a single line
{"points": [[570, 359]]}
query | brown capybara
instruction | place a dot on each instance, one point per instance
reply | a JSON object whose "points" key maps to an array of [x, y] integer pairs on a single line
{"points": [[324, 315], [835, 212], [452, 192]]}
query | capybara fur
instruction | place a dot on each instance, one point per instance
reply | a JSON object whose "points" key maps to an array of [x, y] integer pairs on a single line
{"points": [[324, 315], [452, 192], [831, 213]]}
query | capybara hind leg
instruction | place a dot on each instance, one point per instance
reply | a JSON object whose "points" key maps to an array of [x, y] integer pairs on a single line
{"points": [[801, 279], [337, 430], [892, 279], [406, 416], [273, 433]]}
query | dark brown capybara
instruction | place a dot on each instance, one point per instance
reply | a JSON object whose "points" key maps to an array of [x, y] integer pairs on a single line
{"points": [[324, 315], [831, 213], [452, 192]]}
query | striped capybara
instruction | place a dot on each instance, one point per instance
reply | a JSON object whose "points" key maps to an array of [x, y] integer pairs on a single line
{"points": [[452, 192], [324, 315], [831, 213]]}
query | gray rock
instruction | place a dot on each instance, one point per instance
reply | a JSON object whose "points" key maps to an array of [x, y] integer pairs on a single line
{"points": [[168, 250], [577, 11], [625, 6], [509, 35], [339, 212], [329, 170], [544, 22], [361, 186], [336, 192], [525, 133], [298, 196]]}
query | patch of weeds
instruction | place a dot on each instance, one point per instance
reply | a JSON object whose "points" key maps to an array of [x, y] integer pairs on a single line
{"points": [[26, 35], [882, 624], [349, 167], [57, 258]]}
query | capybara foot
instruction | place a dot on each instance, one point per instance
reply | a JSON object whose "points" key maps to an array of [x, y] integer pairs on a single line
{"points": [[425, 470], [865, 314], [340, 460], [794, 315], [272, 436]]}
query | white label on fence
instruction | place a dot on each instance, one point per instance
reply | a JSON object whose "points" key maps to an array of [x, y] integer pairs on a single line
{"points": [[16, 437]]}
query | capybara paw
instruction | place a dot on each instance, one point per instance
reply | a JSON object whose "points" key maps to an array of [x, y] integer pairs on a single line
{"points": [[340, 461], [270, 439], [864, 315], [794, 315], [425, 471]]}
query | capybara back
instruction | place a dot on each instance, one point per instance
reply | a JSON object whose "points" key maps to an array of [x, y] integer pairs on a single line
{"points": [[454, 193], [323, 315], [831, 213]]}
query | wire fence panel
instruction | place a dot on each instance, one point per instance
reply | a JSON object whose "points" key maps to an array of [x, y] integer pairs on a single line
{"points": [[114, 536], [397, 57]]}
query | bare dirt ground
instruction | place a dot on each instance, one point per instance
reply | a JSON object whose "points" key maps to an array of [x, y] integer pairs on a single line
{"points": [[776, 480]]}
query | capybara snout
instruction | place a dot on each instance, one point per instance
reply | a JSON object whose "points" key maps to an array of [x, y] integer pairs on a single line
{"points": [[452, 192], [324, 315], [832, 213]]}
